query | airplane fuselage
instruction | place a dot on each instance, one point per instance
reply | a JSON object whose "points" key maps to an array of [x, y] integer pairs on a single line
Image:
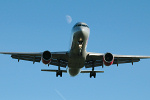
{"points": [[77, 54]]}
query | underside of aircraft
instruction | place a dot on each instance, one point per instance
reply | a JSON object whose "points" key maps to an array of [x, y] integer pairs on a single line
{"points": [[77, 57]]}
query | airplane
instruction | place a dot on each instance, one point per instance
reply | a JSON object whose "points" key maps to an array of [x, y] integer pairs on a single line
{"points": [[77, 57]]}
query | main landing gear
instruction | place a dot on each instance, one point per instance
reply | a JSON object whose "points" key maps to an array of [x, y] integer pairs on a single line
{"points": [[93, 73], [59, 72]]}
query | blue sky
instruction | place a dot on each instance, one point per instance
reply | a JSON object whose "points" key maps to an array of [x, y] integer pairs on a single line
{"points": [[117, 26]]}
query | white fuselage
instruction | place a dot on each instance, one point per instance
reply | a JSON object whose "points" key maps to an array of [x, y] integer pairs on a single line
{"points": [[77, 54]]}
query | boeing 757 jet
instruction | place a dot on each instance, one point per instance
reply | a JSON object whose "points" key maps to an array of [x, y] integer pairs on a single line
{"points": [[77, 57]]}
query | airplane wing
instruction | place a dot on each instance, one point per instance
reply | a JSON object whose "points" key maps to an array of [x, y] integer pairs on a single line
{"points": [[96, 59], [36, 57]]}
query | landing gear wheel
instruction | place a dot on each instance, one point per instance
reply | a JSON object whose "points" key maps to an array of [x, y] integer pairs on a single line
{"points": [[56, 74], [59, 73], [90, 75], [93, 74]]}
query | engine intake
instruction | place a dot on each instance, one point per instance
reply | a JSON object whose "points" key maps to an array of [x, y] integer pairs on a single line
{"points": [[46, 57], [108, 59]]}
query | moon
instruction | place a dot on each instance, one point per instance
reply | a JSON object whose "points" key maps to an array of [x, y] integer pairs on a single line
{"points": [[69, 19]]}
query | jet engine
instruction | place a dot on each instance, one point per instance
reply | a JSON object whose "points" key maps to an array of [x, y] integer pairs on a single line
{"points": [[108, 59], [46, 57]]}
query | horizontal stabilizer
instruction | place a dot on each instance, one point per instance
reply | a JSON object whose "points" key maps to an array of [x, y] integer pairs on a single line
{"points": [[49, 70], [88, 71]]}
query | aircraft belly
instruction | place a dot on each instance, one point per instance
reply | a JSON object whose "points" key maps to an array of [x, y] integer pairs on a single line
{"points": [[76, 62]]}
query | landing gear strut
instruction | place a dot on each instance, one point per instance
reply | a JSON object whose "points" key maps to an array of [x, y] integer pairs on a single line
{"points": [[80, 51], [93, 73], [80, 42]]}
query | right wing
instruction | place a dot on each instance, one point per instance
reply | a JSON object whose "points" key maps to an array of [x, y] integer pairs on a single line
{"points": [[28, 56]]}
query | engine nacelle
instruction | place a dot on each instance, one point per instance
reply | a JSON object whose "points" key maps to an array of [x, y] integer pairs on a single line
{"points": [[46, 57], [108, 59]]}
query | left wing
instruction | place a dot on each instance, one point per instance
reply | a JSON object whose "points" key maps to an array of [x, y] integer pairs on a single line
{"points": [[120, 59], [96, 59], [36, 57]]}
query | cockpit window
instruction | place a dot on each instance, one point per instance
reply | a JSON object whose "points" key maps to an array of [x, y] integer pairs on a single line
{"points": [[81, 25]]}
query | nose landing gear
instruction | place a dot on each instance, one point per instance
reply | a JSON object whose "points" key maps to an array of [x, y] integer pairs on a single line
{"points": [[80, 43]]}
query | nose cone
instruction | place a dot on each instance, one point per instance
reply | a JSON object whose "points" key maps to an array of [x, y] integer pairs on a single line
{"points": [[80, 27]]}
